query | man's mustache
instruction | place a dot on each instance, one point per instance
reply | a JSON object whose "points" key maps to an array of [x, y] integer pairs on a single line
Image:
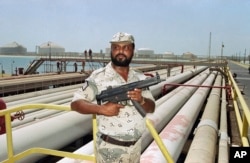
{"points": [[121, 54]]}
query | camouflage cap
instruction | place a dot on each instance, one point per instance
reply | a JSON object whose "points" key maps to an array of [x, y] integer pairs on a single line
{"points": [[122, 37]]}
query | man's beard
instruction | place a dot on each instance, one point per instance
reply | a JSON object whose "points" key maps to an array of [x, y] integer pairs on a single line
{"points": [[121, 62]]}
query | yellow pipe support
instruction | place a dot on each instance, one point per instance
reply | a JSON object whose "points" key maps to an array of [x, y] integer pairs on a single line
{"points": [[9, 135], [245, 127], [33, 106], [49, 152], [94, 132], [237, 114], [159, 141]]}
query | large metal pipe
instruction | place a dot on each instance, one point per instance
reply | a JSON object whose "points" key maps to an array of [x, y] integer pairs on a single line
{"points": [[47, 98], [223, 154], [176, 90], [43, 99], [175, 134], [174, 71], [9, 99], [157, 89], [30, 118], [41, 113], [87, 150], [203, 147], [170, 107]]}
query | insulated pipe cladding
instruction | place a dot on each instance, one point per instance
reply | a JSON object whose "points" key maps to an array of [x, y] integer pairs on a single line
{"points": [[204, 142], [176, 132], [13, 98]]}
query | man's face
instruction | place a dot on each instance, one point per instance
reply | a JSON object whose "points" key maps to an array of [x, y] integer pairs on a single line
{"points": [[122, 54]]}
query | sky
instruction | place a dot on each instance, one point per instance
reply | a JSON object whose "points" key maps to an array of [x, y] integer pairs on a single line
{"points": [[176, 26]]}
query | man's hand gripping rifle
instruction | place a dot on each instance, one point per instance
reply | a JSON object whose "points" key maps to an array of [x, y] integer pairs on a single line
{"points": [[119, 94]]}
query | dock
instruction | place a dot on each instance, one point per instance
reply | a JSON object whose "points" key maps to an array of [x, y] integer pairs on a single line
{"points": [[31, 81]]}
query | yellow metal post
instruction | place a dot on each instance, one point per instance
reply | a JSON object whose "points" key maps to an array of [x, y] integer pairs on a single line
{"points": [[159, 141]]}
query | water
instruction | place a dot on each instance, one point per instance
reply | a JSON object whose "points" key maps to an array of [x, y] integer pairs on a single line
{"points": [[10, 64]]}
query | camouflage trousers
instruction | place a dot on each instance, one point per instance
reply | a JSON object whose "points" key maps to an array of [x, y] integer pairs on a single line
{"points": [[110, 153]]}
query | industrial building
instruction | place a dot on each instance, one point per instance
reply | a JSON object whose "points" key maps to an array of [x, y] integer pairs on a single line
{"points": [[50, 48], [144, 52], [189, 55], [13, 48]]}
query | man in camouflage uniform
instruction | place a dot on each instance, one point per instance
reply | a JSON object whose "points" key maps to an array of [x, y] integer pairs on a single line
{"points": [[120, 126]]}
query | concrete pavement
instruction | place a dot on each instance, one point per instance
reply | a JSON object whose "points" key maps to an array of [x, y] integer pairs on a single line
{"points": [[242, 79]]}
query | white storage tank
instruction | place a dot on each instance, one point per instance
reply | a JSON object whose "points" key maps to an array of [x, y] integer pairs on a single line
{"points": [[144, 52], [50, 48], [13, 48]]}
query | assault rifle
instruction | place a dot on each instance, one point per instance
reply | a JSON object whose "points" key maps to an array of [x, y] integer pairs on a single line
{"points": [[119, 94]]}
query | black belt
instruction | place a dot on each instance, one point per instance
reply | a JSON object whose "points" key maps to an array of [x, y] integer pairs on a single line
{"points": [[117, 142]]}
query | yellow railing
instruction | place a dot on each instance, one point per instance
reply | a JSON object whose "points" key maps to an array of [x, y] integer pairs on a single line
{"points": [[243, 119], [12, 157]]}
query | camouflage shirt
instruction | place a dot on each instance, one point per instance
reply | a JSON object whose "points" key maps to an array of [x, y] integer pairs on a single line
{"points": [[129, 124]]}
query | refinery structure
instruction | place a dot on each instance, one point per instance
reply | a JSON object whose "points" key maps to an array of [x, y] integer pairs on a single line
{"points": [[53, 49]]}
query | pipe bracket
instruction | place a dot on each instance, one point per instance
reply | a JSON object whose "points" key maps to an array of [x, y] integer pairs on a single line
{"points": [[207, 122], [224, 136]]}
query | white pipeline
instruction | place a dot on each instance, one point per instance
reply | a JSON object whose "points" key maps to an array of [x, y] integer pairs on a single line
{"points": [[175, 134], [165, 111], [157, 89], [13, 98], [203, 147], [223, 154]]}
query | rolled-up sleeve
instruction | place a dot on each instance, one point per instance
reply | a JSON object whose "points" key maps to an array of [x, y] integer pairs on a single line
{"points": [[87, 92]]}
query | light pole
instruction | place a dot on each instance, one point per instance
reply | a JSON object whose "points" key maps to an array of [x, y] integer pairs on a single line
{"points": [[245, 56], [249, 63], [222, 46], [49, 44], [249, 59]]}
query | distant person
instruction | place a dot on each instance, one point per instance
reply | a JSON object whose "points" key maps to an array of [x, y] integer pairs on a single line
{"points": [[234, 75], [249, 69], [85, 54], [58, 65], [90, 54], [120, 127], [75, 66]]}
